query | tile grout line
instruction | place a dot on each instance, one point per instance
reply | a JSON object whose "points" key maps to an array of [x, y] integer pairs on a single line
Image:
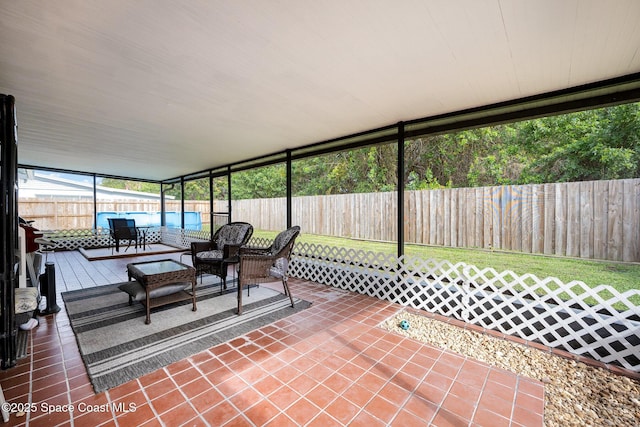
{"points": [[484, 384], [188, 400], [143, 390]]}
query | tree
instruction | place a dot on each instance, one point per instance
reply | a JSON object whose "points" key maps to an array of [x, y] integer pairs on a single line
{"points": [[264, 182], [588, 145], [142, 186]]}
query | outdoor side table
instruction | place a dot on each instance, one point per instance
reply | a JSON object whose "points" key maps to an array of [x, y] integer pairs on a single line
{"points": [[144, 230], [152, 276]]}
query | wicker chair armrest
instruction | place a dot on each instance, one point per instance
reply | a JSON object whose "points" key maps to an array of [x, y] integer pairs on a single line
{"points": [[200, 247], [254, 250], [229, 251]]}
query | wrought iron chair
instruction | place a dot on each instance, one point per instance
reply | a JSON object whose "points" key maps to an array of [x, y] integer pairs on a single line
{"points": [[214, 257], [123, 229], [259, 265]]}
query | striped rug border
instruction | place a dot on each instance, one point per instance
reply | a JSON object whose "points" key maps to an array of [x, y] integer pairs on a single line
{"points": [[116, 365]]}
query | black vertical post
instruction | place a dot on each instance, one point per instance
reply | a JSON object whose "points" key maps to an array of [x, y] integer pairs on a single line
{"points": [[211, 212], [229, 192], [289, 191], [182, 202], [163, 220], [400, 189], [95, 203], [8, 229]]}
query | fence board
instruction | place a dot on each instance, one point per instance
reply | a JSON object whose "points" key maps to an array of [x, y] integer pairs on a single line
{"points": [[548, 208], [460, 222], [630, 210], [453, 219], [479, 218], [468, 210], [488, 218], [614, 222], [561, 219], [537, 225], [426, 215], [526, 213], [573, 219], [586, 219], [600, 226]]}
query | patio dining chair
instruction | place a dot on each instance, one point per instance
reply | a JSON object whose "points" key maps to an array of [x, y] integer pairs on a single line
{"points": [[260, 265], [123, 229], [215, 257]]}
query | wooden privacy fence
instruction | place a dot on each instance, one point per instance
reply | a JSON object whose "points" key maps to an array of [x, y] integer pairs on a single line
{"points": [[591, 219]]}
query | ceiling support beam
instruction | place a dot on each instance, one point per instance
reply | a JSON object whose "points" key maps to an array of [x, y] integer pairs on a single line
{"points": [[289, 190], [400, 187]]}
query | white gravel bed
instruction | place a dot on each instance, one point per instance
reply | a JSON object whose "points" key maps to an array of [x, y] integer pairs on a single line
{"points": [[575, 394]]}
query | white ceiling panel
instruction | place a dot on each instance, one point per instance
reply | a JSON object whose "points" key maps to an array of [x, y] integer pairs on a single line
{"points": [[156, 89]]}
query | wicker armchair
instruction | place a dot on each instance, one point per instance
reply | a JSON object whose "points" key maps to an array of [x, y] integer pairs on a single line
{"points": [[214, 257], [259, 265]]}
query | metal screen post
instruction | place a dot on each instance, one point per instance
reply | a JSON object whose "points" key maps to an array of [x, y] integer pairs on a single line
{"points": [[400, 186]]}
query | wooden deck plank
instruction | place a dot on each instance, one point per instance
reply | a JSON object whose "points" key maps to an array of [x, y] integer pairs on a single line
{"points": [[74, 271]]}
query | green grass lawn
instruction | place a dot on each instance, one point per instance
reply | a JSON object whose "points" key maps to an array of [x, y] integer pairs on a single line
{"points": [[621, 276]]}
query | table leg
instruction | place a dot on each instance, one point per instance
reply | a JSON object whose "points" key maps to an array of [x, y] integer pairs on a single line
{"points": [[193, 294], [148, 306], [239, 297]]}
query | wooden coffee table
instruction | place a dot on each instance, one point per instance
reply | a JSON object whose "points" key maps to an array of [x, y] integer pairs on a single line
{"points": [[153, 275]]}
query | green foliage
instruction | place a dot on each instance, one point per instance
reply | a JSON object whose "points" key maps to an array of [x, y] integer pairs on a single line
{"points": [[588, 145], [261, 183], [145, 187], [196, 190], [369, 169]]}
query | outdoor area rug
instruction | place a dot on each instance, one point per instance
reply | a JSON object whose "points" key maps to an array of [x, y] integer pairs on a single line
{"points": [[106, 253], [117, 346]]}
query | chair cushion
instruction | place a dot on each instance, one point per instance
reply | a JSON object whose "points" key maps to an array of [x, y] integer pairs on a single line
{"points": [[279, 269], [136, 290], [282, 239], [210, 255], [27, 299], [232, 235]]}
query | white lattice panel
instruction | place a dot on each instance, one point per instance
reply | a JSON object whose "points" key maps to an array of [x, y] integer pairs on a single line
{"points": [[260, 242], [597, 322], [182, 238], [600, 323], [74, 239], [88, 238]]}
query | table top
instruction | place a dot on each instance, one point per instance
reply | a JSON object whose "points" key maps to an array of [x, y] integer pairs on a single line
{"points": [[150, 268]]}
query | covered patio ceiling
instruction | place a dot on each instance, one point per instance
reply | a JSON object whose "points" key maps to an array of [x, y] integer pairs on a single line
{"points": [[155, 89]]}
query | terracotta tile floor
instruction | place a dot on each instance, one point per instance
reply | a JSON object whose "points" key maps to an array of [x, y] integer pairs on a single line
{"points": [[330, 365]]}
